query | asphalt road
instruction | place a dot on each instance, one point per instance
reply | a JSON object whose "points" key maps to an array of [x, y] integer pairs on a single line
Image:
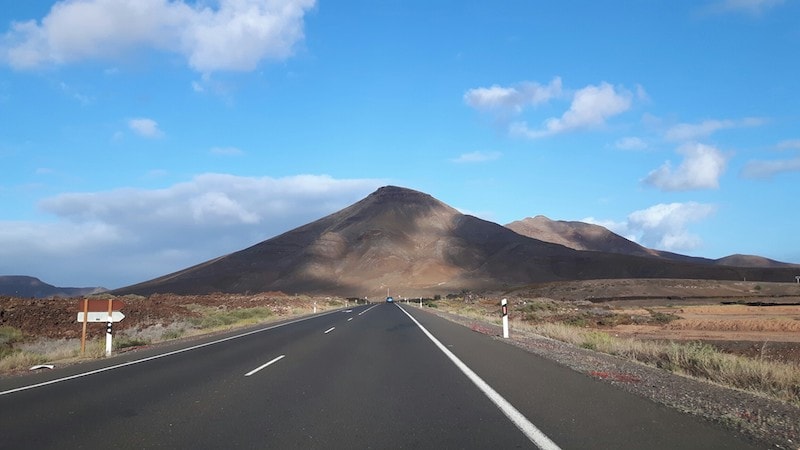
{"points": [[369, 377]]}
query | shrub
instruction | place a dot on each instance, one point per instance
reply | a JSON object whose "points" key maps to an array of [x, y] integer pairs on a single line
{"points": [[8, 336], [597, 340], [172, 334], [661, 318], [222, 318], [129, 341], [21, 360]]}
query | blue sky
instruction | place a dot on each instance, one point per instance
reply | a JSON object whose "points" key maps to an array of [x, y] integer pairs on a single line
{"points": [[139, 137]]}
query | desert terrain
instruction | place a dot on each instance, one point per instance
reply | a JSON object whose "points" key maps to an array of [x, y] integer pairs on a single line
{"points": [[757, 321], [760, 320]]}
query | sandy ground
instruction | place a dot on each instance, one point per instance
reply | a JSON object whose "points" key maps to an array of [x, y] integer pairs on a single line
{"points": [[721, 313], [771, 332]]}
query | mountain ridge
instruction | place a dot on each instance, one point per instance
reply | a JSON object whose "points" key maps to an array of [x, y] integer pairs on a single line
{"points": [[28, 286], [590, 237], [398, 239]]}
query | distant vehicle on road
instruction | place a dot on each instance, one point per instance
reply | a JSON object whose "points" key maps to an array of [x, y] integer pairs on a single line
{"points": [[389, 300]]}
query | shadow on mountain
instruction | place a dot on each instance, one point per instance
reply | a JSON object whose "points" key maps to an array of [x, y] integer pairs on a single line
{"points": [[410, 244]]}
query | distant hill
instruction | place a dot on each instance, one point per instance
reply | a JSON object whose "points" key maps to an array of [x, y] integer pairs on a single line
{"points": [[30, 287], [578, 236], [590, 237], [409, 243]]}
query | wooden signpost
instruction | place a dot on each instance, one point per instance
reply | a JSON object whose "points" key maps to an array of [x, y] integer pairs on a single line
{"points": [[98, 310]]}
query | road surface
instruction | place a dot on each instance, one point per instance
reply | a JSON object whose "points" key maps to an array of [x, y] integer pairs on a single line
{"points": [[375, 376]]}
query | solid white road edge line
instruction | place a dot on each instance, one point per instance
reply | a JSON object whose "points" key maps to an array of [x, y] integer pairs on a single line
{"points": [[274, 360], [364, 311], [522, 422], [329, 330], [162, 355]]}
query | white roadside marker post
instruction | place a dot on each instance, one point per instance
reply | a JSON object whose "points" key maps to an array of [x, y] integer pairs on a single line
{"points": [[108, 329], [504, 304], [315, 307]]}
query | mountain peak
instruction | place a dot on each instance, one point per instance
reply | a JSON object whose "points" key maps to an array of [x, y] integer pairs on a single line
{"points": [[401, 194], [414, 244]]}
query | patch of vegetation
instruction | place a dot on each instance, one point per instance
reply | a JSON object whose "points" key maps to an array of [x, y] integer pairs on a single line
{"points": [[535, 311], [173, 334], [17, 360], [661, 318], [8, 336], [597, 340], [429, 303], [595, 317], [129, 341], [220, 318], [577, 321]]}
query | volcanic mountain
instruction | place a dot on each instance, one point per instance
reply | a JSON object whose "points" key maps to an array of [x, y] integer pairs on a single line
{"points": [[411, 244], [590, 237], [25, 286]]}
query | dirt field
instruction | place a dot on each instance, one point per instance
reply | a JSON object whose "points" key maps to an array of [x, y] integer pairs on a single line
{"points": [[770, 332], [57, 318], [721, 313]]}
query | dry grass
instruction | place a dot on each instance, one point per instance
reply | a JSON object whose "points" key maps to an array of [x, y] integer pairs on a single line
{"points": [[742, 325], [577, 324], [778, 380], [20, 354]]}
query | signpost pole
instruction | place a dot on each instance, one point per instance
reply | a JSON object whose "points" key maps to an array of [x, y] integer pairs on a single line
{"points": [[108, 329], [504, 303], [83, 335]]}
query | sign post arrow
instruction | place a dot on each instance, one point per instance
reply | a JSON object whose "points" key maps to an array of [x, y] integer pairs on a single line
{"points": [[95, 316]]}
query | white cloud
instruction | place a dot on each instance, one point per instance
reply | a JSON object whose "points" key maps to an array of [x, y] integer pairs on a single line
{"points": [[477, 157], [768, 169], [753, 7], [236, 35], [695, 131], [590, 108], [790, 144], [124, 236], [663, 226], [145, 127], [512, 99], [701, 168], [630, 143]]}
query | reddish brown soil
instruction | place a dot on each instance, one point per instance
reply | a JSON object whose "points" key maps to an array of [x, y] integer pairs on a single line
{"points": [[57, 318]]}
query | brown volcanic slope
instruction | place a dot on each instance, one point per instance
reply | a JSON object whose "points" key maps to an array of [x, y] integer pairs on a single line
{"points": [[585, 236], [412, 244], [578, 236]]}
